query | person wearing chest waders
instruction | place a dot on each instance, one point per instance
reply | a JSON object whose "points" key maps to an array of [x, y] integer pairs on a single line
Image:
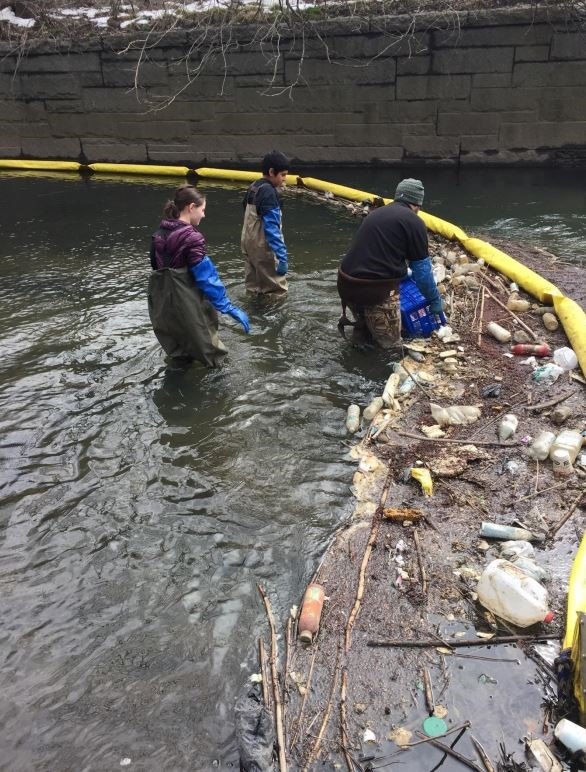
{"points": [[185, 292], [262, 242], [390, 240]]}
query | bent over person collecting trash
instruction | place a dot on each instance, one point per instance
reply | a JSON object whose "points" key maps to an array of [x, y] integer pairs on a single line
{"points": [[262, 242], [390, 240], [185, 292]]}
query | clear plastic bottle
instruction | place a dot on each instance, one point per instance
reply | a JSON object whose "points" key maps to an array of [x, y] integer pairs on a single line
{"points": [[353, 419], [541, 445], [512, 595], [570, 440]]}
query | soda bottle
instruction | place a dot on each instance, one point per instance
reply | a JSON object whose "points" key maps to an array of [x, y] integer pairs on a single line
{"points": [[536, 349], [313, 602]]}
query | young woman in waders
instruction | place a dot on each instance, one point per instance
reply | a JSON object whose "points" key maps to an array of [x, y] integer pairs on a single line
{"points": [[185, 292]]}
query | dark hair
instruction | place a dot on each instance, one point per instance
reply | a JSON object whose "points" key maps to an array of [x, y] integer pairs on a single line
{"points": [[184, 195], [276, 161]]}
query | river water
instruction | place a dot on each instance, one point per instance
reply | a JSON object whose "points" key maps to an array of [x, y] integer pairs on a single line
{"points": [[140, 503]]}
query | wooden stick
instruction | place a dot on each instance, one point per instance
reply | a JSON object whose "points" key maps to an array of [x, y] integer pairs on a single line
{"points": [[428, 691], [423, 438], [314, 751], [562, 521], [344, 721], [376, 520], [520, 321], [481, 317], [483, 755], [543, 490], [421, 566], [451, 752], [549, 403], [263, 671], [287, 663], [426, 643], [303, 701], [465, 725], [276, 696]]}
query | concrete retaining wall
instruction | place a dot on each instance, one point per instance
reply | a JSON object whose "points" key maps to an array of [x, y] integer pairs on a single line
{"points": [[490, 87]]}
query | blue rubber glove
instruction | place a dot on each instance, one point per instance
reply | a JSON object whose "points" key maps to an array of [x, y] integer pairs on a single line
{"points": [[272, 229], [206, 278], [422, 274], [240, 316], [282, 267]]}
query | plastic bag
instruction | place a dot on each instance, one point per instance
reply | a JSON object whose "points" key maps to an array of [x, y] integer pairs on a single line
{"points": [[547, 374], [254, 731]]}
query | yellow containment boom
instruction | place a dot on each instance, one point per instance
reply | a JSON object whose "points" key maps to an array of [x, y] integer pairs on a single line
{"points": [[53, 166], [575, 638], [570, 314], [167, 171]]}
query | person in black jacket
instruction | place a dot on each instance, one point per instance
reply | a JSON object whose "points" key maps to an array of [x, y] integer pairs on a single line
{"points": [[390, 240]]}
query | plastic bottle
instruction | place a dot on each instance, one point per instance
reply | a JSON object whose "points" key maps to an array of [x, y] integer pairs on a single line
{"points": [[515, 303], [372, 409], [455, 415], [311, 609], [512, 595], [565, 358], [541, 445], [353, 419], [390, 388], [511, 550], [507, 426], [498, 332], [561, 414], [561, 462], [571, 735], [536, 349], [570, 440], [531, 568], [496, 531]]}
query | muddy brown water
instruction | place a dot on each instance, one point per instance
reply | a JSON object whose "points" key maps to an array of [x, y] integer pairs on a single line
{"points": [[140, 503]]}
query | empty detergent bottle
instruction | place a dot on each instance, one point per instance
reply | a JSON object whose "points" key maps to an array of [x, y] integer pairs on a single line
{"points": [[511, 594], [313, 602], [564, 451], [570, 440]]}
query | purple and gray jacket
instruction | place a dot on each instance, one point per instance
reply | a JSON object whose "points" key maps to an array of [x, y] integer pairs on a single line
{"points": [[176, 245]]}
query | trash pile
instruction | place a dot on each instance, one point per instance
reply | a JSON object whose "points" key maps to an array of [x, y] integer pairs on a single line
{"points": [[422, 634]]}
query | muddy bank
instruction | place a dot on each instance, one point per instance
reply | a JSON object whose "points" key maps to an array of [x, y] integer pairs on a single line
{"points": [[349, 703]]}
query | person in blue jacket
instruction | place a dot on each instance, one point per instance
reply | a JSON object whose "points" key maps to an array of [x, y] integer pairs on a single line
{"points": [[390, 240], [262, 242], [185, 291]]}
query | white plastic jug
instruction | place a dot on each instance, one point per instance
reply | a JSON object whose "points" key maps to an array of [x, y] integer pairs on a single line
{"points": [[571, 735], [512, 595]]}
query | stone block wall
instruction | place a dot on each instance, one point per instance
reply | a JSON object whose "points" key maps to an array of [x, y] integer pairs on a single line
{"points": [[506, 86]]}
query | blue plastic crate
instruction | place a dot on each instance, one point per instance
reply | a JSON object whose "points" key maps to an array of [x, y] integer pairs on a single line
{"points": [[417, 320]]}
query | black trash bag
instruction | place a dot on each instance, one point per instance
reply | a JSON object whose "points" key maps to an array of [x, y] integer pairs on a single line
{"points": [[254, 731]]}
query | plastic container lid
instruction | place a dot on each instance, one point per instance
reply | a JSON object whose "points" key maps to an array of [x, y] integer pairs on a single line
{"points": [[548, 617], [434, 726]]}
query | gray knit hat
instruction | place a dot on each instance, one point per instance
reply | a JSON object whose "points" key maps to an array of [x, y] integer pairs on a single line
{"points": [[411, 191]]}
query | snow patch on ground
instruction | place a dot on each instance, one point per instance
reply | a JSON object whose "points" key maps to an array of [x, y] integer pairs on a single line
{"points": [[101, 16], [7, 14]]}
